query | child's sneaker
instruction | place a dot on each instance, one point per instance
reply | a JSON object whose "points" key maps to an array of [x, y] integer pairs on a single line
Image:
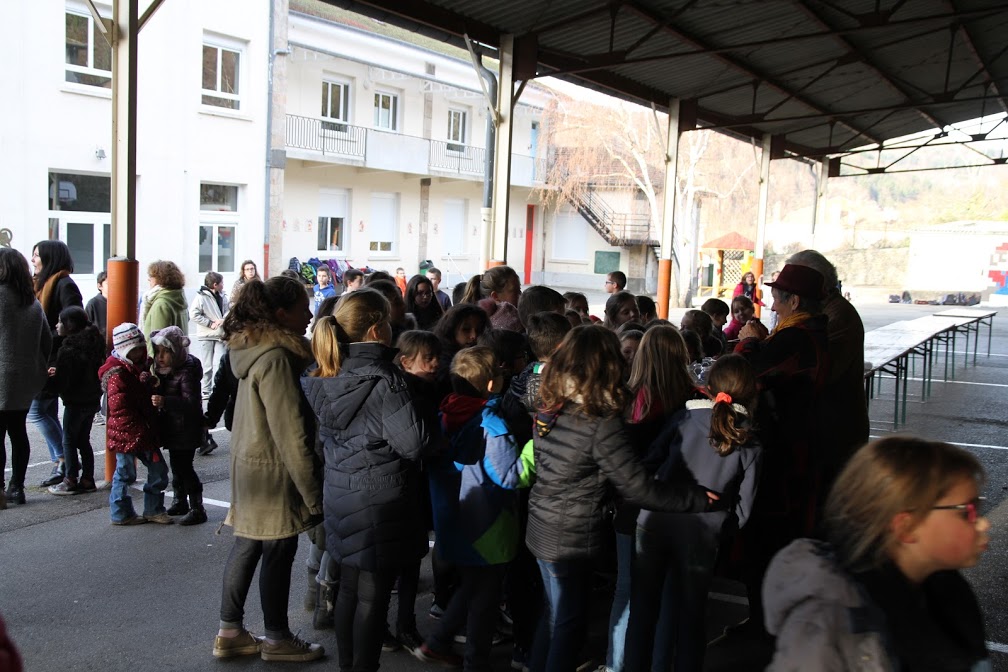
{"points": [[449, 659], [68, 486], [411, 641], [242, 644], [159, 518], [390, 643], [294, 650], [87, 485]]}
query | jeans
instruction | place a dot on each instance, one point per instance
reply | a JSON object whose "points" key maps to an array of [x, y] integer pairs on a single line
{"points": [[44, 414], [360, 613], [77, 421], [209, 352], [277, 557], [473, 608], [120, 502], [567, 584], [183, 476], [620, 612], [671, 572], [13, 423], [524, 595]]}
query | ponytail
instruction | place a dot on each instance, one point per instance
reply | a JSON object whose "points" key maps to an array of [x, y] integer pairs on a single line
{"points": [[732, 382], [355, 314], [472, 293]]}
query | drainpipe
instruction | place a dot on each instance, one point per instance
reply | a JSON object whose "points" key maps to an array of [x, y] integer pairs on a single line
{"points": [[486, 212]]}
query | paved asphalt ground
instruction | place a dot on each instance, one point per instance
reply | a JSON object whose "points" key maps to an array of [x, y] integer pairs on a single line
{"points": [[79, 594]]}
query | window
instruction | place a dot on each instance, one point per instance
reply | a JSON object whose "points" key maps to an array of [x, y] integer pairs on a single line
{"points": [[333, 216], [335, 105], [79, 215], [569, 236], [386, 111], [88, 54], [218, 197], [384, 216], [453, 238], [220, 76], [218, 223], [456, 129]]}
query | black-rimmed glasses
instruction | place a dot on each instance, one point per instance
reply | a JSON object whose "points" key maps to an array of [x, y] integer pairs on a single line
{"points": [[971, 509]]}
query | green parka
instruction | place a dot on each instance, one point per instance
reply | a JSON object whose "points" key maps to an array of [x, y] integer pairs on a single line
{"points": [[275, 474]]}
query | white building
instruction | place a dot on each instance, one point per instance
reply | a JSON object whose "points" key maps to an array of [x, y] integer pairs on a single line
{"points": [[381, 162]]}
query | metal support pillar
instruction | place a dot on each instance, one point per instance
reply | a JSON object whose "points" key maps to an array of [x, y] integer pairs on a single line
{"points": [[502, 153], [761, 212], [820, 198], [670, 197]]}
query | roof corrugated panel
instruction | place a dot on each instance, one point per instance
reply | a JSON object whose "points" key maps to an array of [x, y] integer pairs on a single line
{"points": [[832, 75]]}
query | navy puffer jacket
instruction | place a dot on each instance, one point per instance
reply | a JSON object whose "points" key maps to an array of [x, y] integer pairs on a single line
{"points": [[372, 438]]}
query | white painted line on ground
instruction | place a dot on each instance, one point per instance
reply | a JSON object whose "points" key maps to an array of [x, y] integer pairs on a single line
{"points": [[962, 445], [961, 382], [996, 647], [731, 599], [170, 493]]}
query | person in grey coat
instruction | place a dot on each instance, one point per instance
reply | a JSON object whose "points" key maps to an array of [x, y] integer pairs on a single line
{"points": [[207, 311], [25, 342]]}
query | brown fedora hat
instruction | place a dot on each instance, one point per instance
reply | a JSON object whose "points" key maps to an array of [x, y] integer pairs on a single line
{"points": [[800, 280]]}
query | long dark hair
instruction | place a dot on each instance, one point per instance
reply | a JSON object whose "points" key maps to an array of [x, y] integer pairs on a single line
{"points": [[14, 274], [55, 257], [258, 301], [428, 316], [732, 375], [586, 369]]}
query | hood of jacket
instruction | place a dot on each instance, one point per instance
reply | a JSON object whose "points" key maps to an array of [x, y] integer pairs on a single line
{"points": [[807, 570], [173, 297], [247, 346], [336, 401], [458, 409]]}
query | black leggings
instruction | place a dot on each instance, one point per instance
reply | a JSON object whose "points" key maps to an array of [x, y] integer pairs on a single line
{"points": [[183, 476], [274, 583], [361, 609], [13, 423]]}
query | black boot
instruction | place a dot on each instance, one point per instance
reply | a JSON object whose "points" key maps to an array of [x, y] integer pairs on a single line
{"points": [[197, 514], [179, 505], [325, 601]]}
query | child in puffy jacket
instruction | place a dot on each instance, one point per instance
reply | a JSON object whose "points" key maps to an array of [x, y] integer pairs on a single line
{"points": [[75, 378], [475, 506], [180, 418], [131, 429]]}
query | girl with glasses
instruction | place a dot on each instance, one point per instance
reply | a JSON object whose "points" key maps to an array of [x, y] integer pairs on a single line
{"points": [[884, 592]]}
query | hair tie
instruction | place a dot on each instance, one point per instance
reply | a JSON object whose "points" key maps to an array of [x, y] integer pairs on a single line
{"points": [[722, 396]]}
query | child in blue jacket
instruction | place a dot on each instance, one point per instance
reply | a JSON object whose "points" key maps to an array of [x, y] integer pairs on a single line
{"points": [[475, 505]]}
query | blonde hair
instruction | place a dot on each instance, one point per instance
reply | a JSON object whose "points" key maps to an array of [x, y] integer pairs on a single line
{"points": [[884, 478], [355, 315], [476, 365], [659, 370]]}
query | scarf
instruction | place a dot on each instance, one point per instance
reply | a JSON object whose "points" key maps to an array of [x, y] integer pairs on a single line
{"points": [[792, 320], [147, 300], [45, 294]]}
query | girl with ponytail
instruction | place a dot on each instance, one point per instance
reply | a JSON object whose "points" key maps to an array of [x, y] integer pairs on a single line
{"points": [[371, 437], [499, 283], [712, 442]]}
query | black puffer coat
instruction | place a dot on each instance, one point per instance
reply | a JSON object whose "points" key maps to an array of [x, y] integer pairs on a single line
{"points": [[77, 362], [581, 463], [372, 438]]}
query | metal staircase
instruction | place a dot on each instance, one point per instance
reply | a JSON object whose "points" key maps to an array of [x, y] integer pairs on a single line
{"points": [[617, 228]]}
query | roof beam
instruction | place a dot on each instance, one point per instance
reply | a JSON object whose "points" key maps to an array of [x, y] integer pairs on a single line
{"points": [[739, 65], [866, 59], [976, 54]]}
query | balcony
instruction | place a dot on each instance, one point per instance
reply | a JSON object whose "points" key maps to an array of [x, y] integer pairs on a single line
{"points": [[331, 141]]}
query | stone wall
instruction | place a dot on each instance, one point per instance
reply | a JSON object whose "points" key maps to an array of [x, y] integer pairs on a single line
{"points": [[885, 267]]}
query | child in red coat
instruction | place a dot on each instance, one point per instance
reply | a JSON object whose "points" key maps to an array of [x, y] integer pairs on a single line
{"points": [[132, 428]]}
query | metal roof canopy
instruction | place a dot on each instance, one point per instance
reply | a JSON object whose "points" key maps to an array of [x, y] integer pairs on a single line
{"points": [[825, 77]]}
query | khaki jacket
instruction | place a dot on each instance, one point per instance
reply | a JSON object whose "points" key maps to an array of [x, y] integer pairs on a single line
{"points": [[275, 474]]}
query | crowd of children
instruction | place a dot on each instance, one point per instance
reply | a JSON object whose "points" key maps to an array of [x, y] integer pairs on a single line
{"points": [[533, 441]]}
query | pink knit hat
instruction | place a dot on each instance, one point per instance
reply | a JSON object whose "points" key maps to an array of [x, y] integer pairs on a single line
{"points": [[502, 315]]}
